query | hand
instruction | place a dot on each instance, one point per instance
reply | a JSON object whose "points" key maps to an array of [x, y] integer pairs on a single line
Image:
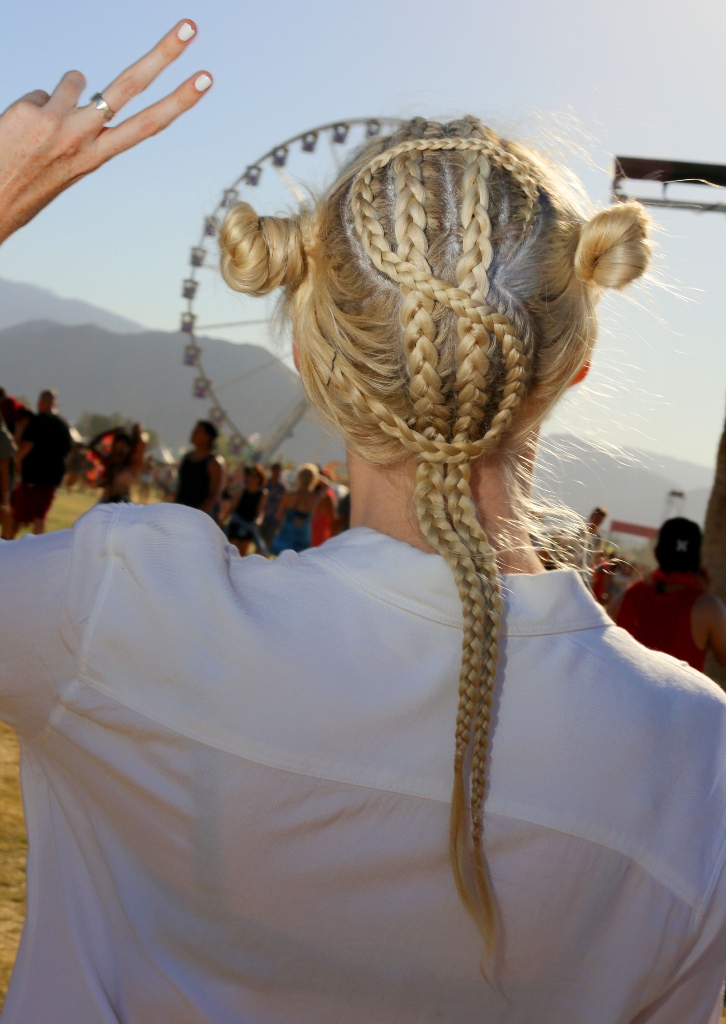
{"points": [[49, 142]]}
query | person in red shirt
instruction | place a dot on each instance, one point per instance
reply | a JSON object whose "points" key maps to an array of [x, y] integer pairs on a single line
{"points": [[10, 409], [323, 522], [671, 610]]}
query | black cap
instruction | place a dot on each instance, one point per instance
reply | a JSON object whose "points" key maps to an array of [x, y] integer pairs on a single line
{"points": [[679, 546]]}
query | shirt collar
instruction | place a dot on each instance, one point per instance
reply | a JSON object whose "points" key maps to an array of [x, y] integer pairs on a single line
{"points": [[422, 583]]}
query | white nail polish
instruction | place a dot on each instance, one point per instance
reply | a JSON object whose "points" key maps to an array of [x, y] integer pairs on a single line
{"points": [[202, 83], [186, 32]]}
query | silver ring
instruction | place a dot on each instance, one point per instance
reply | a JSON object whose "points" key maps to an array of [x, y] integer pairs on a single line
{"points": [[100, 104]]}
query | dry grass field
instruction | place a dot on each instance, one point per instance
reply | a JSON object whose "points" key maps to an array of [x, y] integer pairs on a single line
{"points": [[67, 507], [13, 847]]}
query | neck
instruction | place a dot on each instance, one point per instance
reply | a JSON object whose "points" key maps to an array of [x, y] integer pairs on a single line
{"points": [[381, 498]]}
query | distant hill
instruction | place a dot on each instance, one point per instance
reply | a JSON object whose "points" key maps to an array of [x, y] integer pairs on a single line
{"points": [[20, 303], [142, 376], [633, 485]]}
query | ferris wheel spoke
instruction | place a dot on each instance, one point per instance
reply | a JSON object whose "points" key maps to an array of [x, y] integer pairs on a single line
{"points": [[245, 376], [204, 256]]}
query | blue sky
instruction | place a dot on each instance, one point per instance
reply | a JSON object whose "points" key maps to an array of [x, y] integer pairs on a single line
{"points": [[636, 78]]}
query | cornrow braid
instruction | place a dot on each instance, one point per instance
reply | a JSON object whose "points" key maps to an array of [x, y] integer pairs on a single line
{"points": [[443, 493], [419, 331]]}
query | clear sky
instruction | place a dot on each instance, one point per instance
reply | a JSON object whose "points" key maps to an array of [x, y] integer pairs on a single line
{"points": [[634, 77]]}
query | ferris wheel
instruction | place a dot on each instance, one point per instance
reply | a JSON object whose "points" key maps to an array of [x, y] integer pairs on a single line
{"points": [[340, 136]]}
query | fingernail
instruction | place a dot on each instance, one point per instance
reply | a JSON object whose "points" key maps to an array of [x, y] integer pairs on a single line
{"points": [[202, 83], [186, 32]]}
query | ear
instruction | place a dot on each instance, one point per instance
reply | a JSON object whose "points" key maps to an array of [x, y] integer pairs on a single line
{"points": [[581, 374]]}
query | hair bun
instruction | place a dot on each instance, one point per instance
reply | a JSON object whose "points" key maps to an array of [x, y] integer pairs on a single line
{"points": [[261, 253], [613, 249]]}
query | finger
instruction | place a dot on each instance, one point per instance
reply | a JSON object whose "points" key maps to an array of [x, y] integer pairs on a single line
{"points": [[152, 120], [141, 74], [38, 96], [68, 92]]}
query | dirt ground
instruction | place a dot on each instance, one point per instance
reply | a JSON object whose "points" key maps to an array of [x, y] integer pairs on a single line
{"points": [[13, 848]]}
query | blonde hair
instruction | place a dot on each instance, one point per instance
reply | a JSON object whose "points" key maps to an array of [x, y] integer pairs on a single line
{"points": [[442, 296]]}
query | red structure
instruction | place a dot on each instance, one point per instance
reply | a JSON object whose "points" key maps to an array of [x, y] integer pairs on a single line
{"points": [[619, 526]]}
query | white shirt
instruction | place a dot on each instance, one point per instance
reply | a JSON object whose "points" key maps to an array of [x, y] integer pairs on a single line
{"points": [[237, 777]]}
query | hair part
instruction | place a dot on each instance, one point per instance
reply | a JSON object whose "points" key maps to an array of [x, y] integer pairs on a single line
{"points": [[442, 296]]}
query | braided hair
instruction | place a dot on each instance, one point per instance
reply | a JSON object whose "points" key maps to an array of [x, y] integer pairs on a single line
{"points": [[442, 296]]}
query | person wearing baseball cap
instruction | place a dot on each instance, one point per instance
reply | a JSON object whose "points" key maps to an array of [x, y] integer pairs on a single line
{"points": [[671, 610]]}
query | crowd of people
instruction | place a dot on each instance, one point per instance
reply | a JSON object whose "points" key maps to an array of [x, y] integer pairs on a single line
{"points": [[267, 510], [271, 510], [34, 447], [258, 510]]}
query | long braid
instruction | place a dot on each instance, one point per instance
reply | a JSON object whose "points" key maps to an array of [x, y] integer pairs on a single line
{"points": [[473, 360], [434, 418], [472, 366], [446, 435]]}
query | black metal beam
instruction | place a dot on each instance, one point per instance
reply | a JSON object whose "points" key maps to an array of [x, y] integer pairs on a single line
{"points": [[668, 171]]}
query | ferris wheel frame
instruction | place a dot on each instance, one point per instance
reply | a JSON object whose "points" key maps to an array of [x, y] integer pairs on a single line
{"points": [[203, 386]]}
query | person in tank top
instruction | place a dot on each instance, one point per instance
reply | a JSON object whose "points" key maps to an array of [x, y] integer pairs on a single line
{"points": [[407, 776], [244, 524], [276, 491], [671, 610], [296, 512], [201, 473]]}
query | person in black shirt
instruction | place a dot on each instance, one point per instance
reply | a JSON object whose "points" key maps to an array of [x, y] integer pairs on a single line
{"points": [[41, 460], [200, 473], [243, 527]]}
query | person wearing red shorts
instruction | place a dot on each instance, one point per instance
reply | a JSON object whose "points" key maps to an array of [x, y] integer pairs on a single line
{"points": [[41, 457]]}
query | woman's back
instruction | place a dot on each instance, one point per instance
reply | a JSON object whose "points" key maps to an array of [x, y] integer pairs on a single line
{"points": [[272, 845]]}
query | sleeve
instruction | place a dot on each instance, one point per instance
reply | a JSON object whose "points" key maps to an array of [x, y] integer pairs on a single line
{"points": [[48, 586]]}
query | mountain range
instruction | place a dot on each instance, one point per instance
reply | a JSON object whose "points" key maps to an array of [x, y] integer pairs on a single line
{"points": [[142, 377], [632, 485], [99, 362], [20, 303]]}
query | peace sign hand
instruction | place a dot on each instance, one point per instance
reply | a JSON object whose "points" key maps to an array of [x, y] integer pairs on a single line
{"points": [[48, 142]]}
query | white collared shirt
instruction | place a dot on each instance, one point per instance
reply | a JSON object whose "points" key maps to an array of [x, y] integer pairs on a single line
{"points": [[237, 777]]}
